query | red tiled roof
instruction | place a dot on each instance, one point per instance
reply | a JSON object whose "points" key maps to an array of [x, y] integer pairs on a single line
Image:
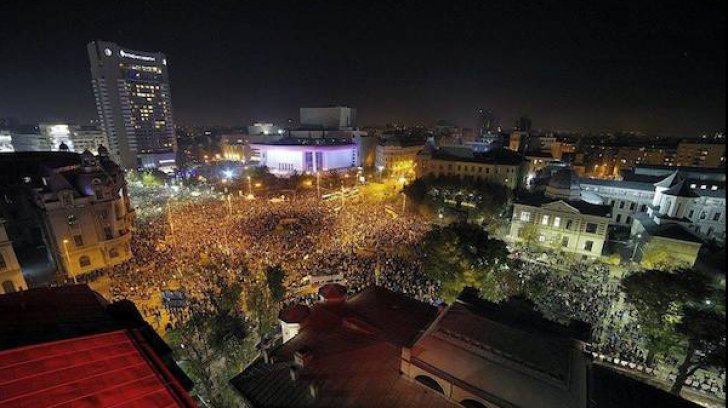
{"points": [[294, 314], [332, 291], [116, 369]]}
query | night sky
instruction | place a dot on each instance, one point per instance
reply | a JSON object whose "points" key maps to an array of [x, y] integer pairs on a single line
{"points": [[650, 66]]}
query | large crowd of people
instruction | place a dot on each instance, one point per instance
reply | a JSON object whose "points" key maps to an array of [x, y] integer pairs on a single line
{"points": [[186, 246]]}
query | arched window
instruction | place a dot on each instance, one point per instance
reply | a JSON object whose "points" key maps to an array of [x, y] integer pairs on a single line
{"points": [[468, 403], [429, 383], [84, 261], [8, 286]]}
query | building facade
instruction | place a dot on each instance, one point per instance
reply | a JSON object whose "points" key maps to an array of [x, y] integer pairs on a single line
{"points": [[499, 166], [701, 153], [11, 276], [79, 204], [702, 210], [134, 104], [290, 155], [88, 138]]}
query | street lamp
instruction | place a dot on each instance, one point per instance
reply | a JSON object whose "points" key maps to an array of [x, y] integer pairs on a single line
{"points": [[68, 260], [636, 245]]}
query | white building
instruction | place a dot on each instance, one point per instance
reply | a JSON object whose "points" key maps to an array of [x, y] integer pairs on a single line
{"points": [[560, 220], [290, 155], [88, 138], [697, 205], [55, 134]]}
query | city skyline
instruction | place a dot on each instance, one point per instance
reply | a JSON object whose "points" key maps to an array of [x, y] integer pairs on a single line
{"points": [[622, 66]]}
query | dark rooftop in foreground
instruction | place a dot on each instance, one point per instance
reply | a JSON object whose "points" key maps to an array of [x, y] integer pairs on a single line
{"points": [[354, 351]]}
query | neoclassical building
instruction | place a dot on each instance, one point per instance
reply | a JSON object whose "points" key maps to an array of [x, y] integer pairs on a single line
{"points": [[676, 198], [560, 220], [76, 205]]}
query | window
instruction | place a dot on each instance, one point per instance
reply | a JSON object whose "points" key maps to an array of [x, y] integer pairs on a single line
{"points": [[591, 228], [629, 220], [525, 216], [692, 212], [619, 218], [99, 192], [643, 208], [621, 205], [703, 187], [107, 233], [84, 261], [568, 224], [565, 242], [710, 231], [588, 245], [716, 216], [113, 253], [557, 222], [66, 198], [78, 240], [702, 215], [8, 286], [631, 206], [3, 265], [541, 238], [714, 188], [545, 220]]}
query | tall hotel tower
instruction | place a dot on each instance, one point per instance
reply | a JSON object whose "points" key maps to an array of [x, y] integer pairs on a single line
{"points": [[134, 105]]}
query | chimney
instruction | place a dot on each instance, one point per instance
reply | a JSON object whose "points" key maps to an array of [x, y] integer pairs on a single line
{"points": [[314, 389], [302, 357]]}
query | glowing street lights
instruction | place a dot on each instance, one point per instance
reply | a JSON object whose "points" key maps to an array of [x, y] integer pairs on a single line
{"points": [[68, 261]]}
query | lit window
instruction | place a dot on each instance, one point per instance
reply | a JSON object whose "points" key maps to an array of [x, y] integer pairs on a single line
{"points": [[541, 238], [693, 185], [714, 188], [703, 187], [525, 216], [557, 222], [545, 220]]}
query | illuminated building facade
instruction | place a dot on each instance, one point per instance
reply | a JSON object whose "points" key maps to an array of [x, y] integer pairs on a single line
{"points": [[289, 155], [11, 276], [88, 138], [55, 134], [77, 204], [397, 156], [499, 166], [134, 105], [329, 117], [560, 220]]}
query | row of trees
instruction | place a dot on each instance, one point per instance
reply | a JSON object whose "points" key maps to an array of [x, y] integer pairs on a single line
{"points": [[489, 201], [680, 312], [215, 343]]}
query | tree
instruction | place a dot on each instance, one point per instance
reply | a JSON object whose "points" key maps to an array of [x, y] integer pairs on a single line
{"points": [[257, 304], [463, 254], [212, 344], [657, 256], [659, 297], [274, 276], [416, 191], [704, 329], [529, 234]]}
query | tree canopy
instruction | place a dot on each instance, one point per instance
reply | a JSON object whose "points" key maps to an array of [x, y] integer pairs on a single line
{"points": [[463, 254]]}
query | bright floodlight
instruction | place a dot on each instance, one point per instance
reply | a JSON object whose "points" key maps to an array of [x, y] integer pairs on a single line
{"points": [[228, 173]]}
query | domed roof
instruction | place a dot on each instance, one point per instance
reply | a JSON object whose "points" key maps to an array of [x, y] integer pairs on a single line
{"points": [[294, 314], [63, 147], [564, 179], [332, 291]]}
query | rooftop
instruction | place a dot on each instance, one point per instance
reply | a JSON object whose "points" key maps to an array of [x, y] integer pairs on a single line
{"points": [[354, 347], [494, 156], [499, 350], [302, 141], [114, 369]]}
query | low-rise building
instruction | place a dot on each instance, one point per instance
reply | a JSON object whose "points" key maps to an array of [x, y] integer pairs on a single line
{"points": [[560, 220], [397, 155], [78, 204], [500, 166]]}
